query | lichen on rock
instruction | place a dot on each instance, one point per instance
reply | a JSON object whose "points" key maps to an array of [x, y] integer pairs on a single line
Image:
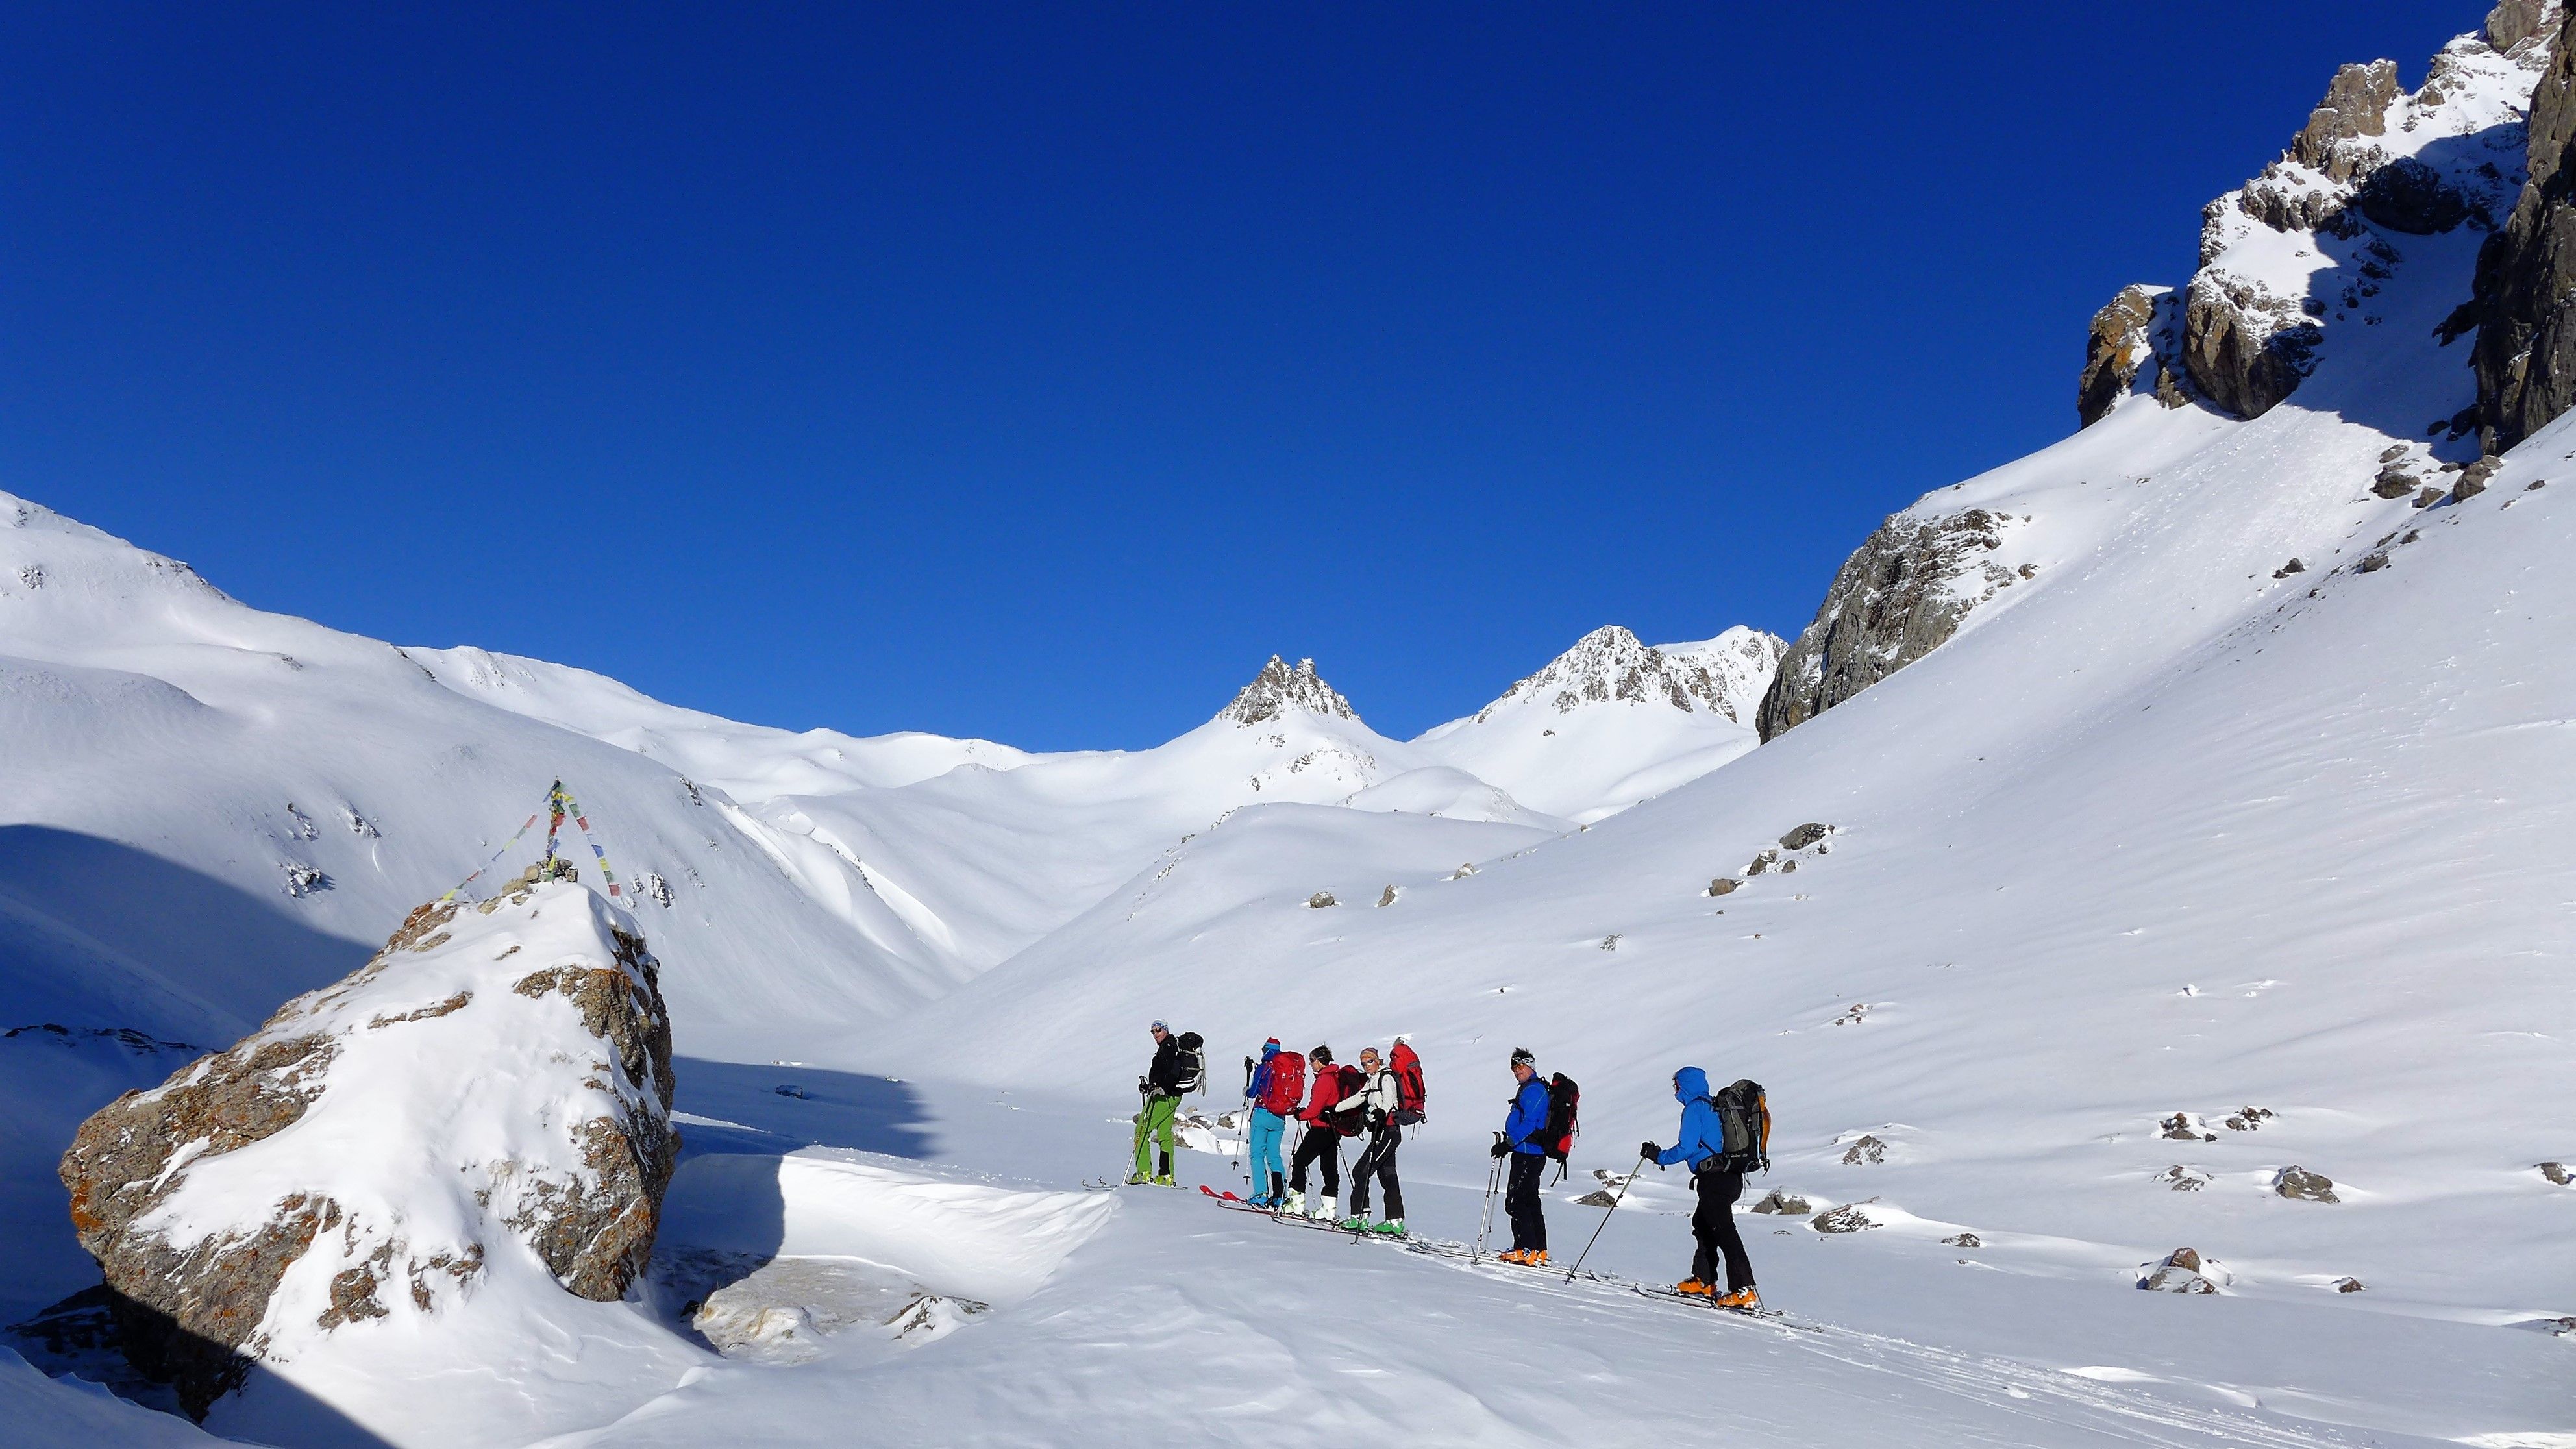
{"points": [[226, 1239]]}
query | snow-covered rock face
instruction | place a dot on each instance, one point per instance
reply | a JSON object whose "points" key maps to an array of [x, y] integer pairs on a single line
{"points": [[488, 1097], [2297, 254], [1610, 666], [1278, 689]]}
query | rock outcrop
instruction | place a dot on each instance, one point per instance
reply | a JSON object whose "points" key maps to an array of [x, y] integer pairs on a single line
{"points": [[1897, 598], [2525, 355], [1278, 689], [2140, 326], [496, 1081], [2373, 165]]}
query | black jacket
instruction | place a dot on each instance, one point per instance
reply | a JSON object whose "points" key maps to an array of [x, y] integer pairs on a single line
{"points": [[1167, 1073]]}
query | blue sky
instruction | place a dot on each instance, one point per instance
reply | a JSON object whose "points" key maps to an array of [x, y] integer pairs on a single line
{"points": [[1036, 372]]}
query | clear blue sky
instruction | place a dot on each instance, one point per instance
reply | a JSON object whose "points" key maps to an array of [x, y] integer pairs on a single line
{"points": [[1037, 372]]}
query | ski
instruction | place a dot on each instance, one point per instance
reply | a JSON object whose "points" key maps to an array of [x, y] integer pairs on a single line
{"points": [[1760, 1315]]}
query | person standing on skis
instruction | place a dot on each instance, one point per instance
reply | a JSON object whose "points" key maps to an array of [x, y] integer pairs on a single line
{"points": [[1719, 1182], [1521, 1141], [1319, 1143], [1161, 1087], [1269, 1174], [1377, 1099]]}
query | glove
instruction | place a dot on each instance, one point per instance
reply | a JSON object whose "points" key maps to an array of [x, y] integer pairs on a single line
{"points": [[1649, 1150], [1502, 1149]]}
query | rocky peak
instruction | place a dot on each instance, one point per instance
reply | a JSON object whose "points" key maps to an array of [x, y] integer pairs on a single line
{"points": [[482, 1108], [2355, 105], [2373, 166], [1611, 666], [1278, 689]]}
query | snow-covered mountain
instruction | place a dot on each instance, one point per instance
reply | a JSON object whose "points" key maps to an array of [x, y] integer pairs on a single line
{"points": [[1612, 721], [2160, 843]]}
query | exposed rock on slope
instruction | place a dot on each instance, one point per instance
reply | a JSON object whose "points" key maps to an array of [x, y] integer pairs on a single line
{"points": [[2140, 325], [1896, 599], [491, 1093], [1278, 688], [2526, 349]]}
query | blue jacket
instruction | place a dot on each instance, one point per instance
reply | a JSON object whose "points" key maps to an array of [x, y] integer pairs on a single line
{"points": [[1260, 1075], [1701, 1136], [1528, 1118]]}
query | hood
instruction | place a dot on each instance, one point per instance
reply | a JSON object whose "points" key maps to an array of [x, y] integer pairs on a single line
{"points": [[1689, 1084], [1269, 1049]]}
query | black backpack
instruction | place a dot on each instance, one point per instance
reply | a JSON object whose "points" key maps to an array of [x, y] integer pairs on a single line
{"points": [[1193, 1063], [1563, 1123], [1743, 1125], [1347, 1082]]}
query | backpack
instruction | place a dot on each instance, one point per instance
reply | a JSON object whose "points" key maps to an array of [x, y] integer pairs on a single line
{"points": [[1744, 1126], [1287, 1085], [1354, 1121], [1409, 1091], [1193, 1063], [1557, 1137]]}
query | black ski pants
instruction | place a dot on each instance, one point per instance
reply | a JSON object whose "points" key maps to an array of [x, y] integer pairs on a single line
{"points": [[1520, 1200], [1378, 1161], [1323, 1145], [1713, 1229]]}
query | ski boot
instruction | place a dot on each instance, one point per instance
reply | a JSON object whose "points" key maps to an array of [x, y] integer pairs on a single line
{"points": [[1391, 1228], [1164, 1179], [1259, 1200], [1353, 1225], [1512, 1255], [1743, 1298], [1535, 1258], [1295, 1206], [1136, 1179], [1695, 1288], [1326, 1209]]}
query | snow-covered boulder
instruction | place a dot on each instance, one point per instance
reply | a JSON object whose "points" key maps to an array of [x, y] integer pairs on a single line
{"points": [[486, 1099]]}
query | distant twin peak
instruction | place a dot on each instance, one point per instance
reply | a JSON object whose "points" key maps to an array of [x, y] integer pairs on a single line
{"points": [[1278, 689]]}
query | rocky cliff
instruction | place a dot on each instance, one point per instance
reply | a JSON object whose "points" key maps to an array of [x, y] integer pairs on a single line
{"points": [[2298, 253], [492, 1090], [2526, 349], [1900, 595]]}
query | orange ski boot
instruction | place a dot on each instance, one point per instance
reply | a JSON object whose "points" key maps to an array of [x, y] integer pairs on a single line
{"points": [[1743, 1298], [1695, 1287]]}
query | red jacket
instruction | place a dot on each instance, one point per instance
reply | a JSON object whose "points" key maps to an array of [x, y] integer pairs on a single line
{"points": [[1325, 1093]]}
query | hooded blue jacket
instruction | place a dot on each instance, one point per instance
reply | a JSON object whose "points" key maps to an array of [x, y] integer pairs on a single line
{"points": [[1260, 1082], [1528, 1117], [1701, 1136]]}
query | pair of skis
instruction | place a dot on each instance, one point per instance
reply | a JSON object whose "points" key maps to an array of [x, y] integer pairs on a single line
{"points": [[1463, 1253]]}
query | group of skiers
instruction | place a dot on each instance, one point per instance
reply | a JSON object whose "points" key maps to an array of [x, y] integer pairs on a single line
{"points": [[1723, 1135]]}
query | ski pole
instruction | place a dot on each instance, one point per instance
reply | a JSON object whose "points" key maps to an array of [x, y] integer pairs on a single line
{"points": [[1605, 1217], [1493, 1180], [1243, 1114]]}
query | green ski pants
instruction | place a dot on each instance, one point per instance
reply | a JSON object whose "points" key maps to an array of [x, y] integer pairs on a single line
{"points": [[1155, 1122]]}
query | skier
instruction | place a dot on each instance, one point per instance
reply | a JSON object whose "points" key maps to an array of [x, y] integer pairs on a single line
{"points": [[1378, 1100], [1320, 1144], [1719, 1183], [1161, 1087], [1520, 1141], [1269, 1175]]}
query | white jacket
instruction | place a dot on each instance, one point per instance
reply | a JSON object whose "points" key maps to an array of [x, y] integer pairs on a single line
{"points": [[1378, 1095]]}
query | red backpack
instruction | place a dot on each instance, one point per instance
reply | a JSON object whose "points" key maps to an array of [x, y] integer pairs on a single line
{"points": [[1287, 1086], [1409, 1091]]}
